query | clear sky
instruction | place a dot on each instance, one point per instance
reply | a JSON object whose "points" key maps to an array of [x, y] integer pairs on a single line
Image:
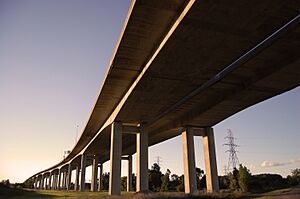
{"points": [[53, 57]]}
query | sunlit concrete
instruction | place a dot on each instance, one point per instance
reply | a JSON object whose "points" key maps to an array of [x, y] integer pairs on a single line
{"points": [[211, 171], [190, 185], [50, 181], [115, 159], [82, 173], [142, 161], [59, 179]]}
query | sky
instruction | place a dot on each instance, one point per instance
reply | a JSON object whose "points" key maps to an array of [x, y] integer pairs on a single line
{"points": [[53, 57]]}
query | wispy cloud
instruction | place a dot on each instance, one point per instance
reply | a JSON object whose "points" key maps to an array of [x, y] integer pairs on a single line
{"points": [[276, 164]]}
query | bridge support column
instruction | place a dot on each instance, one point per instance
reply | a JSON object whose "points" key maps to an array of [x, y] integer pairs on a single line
{"points": [[76, 186], [82, 177], [59, 179], [94, 174], [42, 182], [189, 161], [54, 181], [69, 176], [115, 159], [35, 182], [64, 180], [39, 183], [100, 186], [47, 181], [212, 181], [129, 174], [142, 161], [50, 180]]}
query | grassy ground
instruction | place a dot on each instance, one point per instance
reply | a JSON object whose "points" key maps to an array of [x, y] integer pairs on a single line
{"points": [[269, 195], [52, 194]]}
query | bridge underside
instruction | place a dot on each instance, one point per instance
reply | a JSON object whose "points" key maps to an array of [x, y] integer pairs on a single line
{"points": [[211, 37], [223, 57]]}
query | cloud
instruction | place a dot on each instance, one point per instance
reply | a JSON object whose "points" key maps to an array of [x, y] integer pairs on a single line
{"points": [[277, 164], [252, 167]]}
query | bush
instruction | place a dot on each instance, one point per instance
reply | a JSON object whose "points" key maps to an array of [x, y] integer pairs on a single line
{"points": [[267, 182]]}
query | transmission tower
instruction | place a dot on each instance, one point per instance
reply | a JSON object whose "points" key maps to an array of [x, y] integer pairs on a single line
{"points": [[158, 160], [233, 159]]}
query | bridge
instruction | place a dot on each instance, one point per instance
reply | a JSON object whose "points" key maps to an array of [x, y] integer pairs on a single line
{"points": [[179, 68]]}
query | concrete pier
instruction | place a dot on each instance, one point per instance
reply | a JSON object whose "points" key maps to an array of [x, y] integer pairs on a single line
{"points": [[83, 168], [115, 159], [212, 181], [76, 186], [59, 179], [94, 174], [142, 161], [129, 174], [189, 161], [69, 176], [50, 181], [100, 185]]}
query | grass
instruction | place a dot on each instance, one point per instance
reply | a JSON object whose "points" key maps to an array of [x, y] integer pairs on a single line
{"points": [[269, 195], [54, 194]]}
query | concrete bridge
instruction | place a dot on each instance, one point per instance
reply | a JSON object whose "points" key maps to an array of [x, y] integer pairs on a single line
{"points": [[179, 68]]}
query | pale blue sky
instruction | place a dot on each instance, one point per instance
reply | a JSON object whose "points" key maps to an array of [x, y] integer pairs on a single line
{"points": [[53, 56]]}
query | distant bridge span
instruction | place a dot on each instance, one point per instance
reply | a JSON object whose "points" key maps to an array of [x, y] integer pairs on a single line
{"points": [[180, 67]]}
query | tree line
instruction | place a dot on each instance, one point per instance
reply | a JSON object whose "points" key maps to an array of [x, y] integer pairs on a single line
{"points": [[239, 180]]}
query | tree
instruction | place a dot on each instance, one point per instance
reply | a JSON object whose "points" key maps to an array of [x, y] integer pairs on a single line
{"points": [[155, 178], [165, 181], [180, 186], [5, 182], [199, 174], [294, 179], [105, 181], [155, 167], [243, 178], [175, 181], [233, 180], [296, 174], [124, 183]]}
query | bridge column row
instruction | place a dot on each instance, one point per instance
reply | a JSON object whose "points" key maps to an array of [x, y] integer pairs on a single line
{"points": [[116, 157], [212, 182], [62, 178]]}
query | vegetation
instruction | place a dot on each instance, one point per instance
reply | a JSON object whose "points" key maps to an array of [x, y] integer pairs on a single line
{"points": [[294, 179], [234, 180], [237, 184], [165, 181], [244, 177]]}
